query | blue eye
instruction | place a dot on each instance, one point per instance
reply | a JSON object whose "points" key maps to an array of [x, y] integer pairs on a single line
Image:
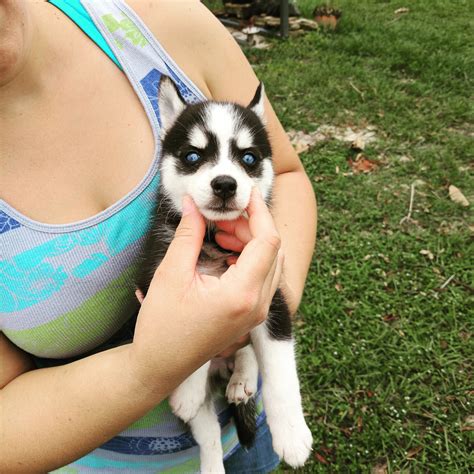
{"points": [[192, 157], [249, 159]]}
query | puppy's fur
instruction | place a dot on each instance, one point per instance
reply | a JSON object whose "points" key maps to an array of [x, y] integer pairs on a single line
{"points": [[216, 152]]}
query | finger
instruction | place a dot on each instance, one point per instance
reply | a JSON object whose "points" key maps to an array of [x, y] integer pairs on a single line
{"points": [[267, 290], [239, 228], [273, 283], [184, 250], [260, 220], [258, 256], [139, 295], [231, 260], [229, 242]]}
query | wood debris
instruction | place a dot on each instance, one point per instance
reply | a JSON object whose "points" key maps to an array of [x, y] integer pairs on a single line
{"points": [[267, 21], [302, 141]]}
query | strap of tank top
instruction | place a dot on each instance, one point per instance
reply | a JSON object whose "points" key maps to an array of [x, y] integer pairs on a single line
{"points": [[140, 54], [78, 14]]}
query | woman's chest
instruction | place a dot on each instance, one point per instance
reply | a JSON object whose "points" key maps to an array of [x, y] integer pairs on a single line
{"points": [[78, 151]]}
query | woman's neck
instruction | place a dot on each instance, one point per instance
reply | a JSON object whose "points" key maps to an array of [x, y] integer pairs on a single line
{"points": [[26, 55]]}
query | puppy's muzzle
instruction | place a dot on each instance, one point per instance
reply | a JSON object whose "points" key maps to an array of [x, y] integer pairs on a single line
{"points": [[224, 186]]}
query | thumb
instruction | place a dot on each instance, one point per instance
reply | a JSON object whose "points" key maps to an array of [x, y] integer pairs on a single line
{"points": [[183, 253]]}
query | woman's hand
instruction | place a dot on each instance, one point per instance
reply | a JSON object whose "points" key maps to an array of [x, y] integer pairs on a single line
{"points": [[200, 315]]}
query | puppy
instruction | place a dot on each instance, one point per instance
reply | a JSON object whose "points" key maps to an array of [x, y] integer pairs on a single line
{"points": [[216, 152]]}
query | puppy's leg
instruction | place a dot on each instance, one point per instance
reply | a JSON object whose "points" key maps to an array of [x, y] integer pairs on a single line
{"points": [[207, 433], [188, 397], [243, 382], [274, 347]]}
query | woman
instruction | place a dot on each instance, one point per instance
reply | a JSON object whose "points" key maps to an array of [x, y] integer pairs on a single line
{"points": [[79, 141]]}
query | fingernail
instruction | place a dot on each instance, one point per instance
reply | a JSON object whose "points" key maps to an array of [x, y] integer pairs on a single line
{"points": [[187, 205]]}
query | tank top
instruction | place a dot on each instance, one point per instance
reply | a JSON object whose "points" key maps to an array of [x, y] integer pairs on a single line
{"points": [[66, 290]]}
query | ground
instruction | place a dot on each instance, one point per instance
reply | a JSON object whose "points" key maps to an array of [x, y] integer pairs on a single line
{"points": [[385, 346]]}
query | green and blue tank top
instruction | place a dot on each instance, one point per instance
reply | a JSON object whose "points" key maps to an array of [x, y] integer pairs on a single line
{"points": [[67, 289]]}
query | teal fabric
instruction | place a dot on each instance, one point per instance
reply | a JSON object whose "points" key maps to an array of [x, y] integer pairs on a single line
{"points": [[78, 14]]}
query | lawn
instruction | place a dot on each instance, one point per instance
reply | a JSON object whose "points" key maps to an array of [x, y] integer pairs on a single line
{"points": [[385, 335]]}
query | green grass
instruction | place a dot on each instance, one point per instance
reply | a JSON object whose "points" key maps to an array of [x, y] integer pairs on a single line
{"points": [[385, 356]]}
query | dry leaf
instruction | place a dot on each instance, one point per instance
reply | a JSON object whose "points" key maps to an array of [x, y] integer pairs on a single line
{"points": [[427, 253], [411, 453], [468, 424], [338, 287], [457, 196], [379, 469], [321, 458], [362, 164], [390, 318], [401, 10]]}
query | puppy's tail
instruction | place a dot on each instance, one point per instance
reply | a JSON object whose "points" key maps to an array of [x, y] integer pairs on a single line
{"points": [[245, 416]]}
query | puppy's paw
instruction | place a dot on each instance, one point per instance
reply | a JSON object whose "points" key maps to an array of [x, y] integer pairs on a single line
{"points": [[292, 439], [186, 405], [212, 467], [240, 388]]}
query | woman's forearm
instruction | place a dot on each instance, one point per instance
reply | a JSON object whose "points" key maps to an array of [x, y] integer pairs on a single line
{"points": [[295, 213], [50, 417]]}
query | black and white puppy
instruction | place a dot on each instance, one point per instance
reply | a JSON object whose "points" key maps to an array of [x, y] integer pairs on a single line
{"points": [[216, 152]]}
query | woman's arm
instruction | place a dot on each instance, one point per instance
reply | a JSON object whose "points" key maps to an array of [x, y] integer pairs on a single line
{"points": [[49, 417]]}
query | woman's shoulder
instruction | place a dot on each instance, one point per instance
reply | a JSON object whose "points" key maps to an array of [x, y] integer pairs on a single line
{"points": [[186, 30], [201, 46]]}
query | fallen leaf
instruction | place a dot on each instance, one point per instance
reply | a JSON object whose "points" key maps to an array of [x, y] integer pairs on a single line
{"points": [[379, 469], [338, 287], [457, 196], [327, 450], [389, 318], [411, 453], [362, 164], [347, 432], [321, 458], [404, 159], [427, 253], [399, 11], [468, 424], [359, 424]]}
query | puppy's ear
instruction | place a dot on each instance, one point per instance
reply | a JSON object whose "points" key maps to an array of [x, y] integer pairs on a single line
{"points": [[170, 102], [256, 105]]}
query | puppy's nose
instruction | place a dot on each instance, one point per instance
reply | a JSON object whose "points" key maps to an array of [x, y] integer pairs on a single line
{"points": [[224, 186]]}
